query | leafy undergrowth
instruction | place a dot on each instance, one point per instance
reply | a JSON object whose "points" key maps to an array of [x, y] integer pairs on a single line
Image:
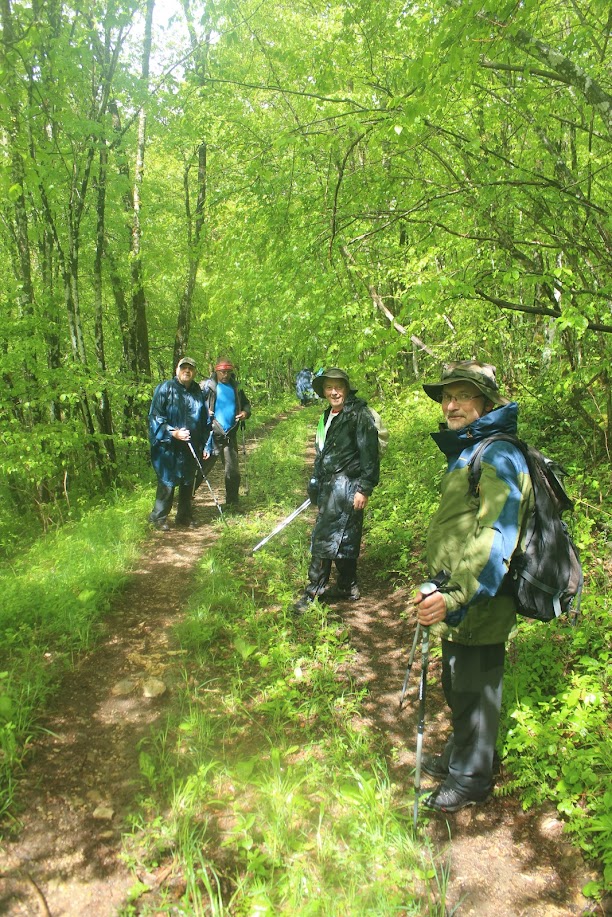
{"points": [[266, 793], [55, 593], [557, 719]]}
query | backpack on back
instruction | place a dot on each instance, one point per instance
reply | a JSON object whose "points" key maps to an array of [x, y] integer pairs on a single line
{"points": [[381, 429], [545, 578], [383, 432]]}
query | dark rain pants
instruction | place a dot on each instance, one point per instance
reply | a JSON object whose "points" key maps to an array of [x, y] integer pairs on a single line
{"points": [[164, 499], [472, 679], [319, 572], [227, 448]]}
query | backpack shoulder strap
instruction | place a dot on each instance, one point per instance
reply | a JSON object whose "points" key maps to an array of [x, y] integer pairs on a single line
{"points": [[543, 471], [476, 459]]}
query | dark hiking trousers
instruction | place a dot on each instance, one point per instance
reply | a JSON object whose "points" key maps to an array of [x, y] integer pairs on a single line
{"points": [[319, 572], [227, 448], [164, 499], [472, 679]]}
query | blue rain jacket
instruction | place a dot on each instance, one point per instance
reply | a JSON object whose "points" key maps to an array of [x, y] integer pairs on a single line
{"points": [[174, 406]]}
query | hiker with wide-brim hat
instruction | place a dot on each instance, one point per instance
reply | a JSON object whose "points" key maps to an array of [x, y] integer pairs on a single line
{"points": [[346, 471], [471, 539]]}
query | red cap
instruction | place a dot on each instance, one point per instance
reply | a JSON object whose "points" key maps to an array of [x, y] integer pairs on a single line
{"points": [[224, 364]]}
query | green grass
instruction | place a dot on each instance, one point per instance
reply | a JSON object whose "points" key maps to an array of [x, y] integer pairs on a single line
{"points": [[265, 791], [55, 593], [53, 597]]}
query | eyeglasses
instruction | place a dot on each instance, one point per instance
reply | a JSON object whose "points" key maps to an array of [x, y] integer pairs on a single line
{"points": [[461, 398]]}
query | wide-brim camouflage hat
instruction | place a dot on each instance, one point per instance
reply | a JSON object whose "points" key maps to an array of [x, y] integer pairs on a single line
{"points": [[482, 375], [332, 373]]}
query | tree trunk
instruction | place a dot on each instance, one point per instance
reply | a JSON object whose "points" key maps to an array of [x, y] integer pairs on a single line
{"points": [[103, 408], [139, 305], [195, 225]]}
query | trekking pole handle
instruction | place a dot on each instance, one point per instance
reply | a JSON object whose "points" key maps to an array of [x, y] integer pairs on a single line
{"points": [[435, 583], [428, 588]]}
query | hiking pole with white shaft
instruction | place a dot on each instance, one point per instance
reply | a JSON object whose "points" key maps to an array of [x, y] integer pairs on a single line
{"points": [[425, 589], [283, 524], [438, 580], [212, 493]]}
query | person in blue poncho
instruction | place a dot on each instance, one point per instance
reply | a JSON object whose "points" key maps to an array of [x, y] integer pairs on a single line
{"points": [[178, 417], [303, 387]]}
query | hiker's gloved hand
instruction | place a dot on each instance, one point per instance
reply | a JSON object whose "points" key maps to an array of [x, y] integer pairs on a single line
{"points": [[313, 490]]}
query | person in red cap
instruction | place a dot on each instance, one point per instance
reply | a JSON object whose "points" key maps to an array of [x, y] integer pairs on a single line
{"points": [[228, 407]]}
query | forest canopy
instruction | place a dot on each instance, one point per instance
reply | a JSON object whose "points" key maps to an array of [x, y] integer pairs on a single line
{"points": [[386, 186]]}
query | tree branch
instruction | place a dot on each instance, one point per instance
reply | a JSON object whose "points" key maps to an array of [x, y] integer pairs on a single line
{"points": [[292, 92], [380, 305], [537, 310], [516, 68], [567, 71]]}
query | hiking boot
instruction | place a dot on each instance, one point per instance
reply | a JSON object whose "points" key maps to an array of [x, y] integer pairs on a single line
{"points": [[336, 594], [447, 799], [187, 524], [161, 525], [434, 766], [302, 605]]}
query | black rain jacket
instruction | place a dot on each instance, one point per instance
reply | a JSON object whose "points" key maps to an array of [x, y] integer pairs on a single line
{"points": [[347, 463]]}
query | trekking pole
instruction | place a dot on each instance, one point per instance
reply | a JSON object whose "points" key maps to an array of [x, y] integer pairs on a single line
{"points": [[425, 589], [421, 725], [244, 456], [212, 493], [283, 524], [410, 662]]}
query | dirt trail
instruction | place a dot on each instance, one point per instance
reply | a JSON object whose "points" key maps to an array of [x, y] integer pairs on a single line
{"points": [[83, 775], [504, 862]]}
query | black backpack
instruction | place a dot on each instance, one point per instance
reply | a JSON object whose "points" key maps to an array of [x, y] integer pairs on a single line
{"points": [[546, 578]]}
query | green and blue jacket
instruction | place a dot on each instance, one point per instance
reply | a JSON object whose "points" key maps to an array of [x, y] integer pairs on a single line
{"points": [[473, 536]]}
